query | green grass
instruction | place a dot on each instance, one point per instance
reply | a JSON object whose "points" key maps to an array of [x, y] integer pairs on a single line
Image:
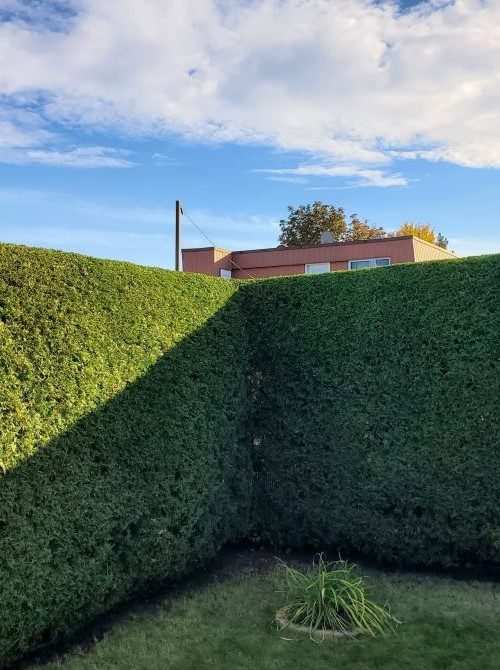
{"points": [[445, 625]]}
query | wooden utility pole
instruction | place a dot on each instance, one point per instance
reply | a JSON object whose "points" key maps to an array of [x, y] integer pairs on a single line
{"points": [[178, 212]]}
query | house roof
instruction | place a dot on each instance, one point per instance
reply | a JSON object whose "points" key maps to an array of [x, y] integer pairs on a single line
{"points": [[316, 246]]}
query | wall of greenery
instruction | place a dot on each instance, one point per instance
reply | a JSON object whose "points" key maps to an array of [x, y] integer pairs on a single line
{"points": [[377, 422], [122, 401], [148, 417]]}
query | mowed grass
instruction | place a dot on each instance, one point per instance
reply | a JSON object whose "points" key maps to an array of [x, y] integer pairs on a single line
{"points": [[446, 624]]}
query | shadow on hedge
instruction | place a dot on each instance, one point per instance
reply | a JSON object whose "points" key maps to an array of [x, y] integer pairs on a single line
{"points": [[143, 489]]}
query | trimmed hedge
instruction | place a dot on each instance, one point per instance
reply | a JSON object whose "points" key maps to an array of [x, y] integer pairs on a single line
{"points": [[377, 411], [122, 410], [130, 398]]}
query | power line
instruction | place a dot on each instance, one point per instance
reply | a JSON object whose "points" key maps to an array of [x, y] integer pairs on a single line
{"points": [[212, 242]]}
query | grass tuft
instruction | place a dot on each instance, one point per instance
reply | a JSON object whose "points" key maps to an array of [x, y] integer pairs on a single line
{"points": [[331, 597]]}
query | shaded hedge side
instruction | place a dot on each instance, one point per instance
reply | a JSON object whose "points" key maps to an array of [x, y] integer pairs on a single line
{"points": [[377, 410], [122, 401]]}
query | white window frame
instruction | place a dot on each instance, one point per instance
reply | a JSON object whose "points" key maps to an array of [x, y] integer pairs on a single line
{"points": [[317, 272], [372, 262], [225, 274]]}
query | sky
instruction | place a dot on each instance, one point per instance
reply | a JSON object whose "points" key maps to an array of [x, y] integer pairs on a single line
{"points": [[110, 111]]}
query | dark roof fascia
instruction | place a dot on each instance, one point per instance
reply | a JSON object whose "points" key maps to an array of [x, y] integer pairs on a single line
{"points": [[206, 249], [328, 244]]}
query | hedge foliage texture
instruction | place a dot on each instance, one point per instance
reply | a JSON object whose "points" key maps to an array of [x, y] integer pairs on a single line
{"points": [[121, 400], [378, 410], [147, 417]]}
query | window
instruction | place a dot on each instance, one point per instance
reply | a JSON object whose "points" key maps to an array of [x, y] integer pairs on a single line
{"points": [[369, 263], [225, 274], [315, 268]]}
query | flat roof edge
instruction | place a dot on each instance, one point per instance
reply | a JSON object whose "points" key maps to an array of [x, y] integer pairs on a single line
{"points": [[328, 244], [228, 251]]}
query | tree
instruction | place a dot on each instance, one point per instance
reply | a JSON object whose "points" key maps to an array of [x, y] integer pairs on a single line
{"points": [[442, 241], [361, 230], [424, 232], [304, 225], [421, 230]]}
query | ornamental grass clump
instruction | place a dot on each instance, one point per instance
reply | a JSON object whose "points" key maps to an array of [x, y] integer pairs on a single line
{"points": [[331, 598]]}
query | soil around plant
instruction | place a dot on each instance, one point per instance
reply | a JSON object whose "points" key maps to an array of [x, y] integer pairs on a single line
{"points": [[316, 634]]}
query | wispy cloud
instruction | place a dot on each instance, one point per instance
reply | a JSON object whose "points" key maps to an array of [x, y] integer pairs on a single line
{"points": [[287, 179], [162, 159], [221, 230], [357, 176], [143, 235], [103, 213], [25, 139], [76, 157]]}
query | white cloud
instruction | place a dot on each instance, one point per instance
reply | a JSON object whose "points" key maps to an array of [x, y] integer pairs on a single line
{"points": [[25, 139], [244, 229], [285, 178], [362, 176], [69, 208], [355, 84], [163, 160], [21, 128], [143, 235], [78, 157]]}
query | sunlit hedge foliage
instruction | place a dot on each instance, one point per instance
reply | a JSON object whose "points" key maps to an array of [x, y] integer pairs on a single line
{"points": [[121, 402]]}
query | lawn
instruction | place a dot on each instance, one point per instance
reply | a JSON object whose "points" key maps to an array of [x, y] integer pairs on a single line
{"points": [[446, 624]]}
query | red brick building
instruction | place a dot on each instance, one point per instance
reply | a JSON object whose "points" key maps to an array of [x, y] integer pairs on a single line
{"points": [[258, 263]]}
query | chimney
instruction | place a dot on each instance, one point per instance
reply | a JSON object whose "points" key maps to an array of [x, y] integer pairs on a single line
{"points": [[326, 237]]}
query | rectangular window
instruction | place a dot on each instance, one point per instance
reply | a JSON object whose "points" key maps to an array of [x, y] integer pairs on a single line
{"points": [[369, 263], [225, 274], [315, 268]]}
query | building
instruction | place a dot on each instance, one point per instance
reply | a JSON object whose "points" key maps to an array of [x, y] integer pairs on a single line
{"points": [[258, 263]]}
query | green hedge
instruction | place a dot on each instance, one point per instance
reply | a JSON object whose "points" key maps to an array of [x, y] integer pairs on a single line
{"points": [[377, 422], [130, 398], [122, 409]]}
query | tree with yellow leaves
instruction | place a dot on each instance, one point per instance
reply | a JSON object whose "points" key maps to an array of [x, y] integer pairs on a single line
{"points": [[422, 231]]}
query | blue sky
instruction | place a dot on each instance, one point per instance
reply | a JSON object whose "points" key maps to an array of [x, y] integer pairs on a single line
{"points": [[110, 113]]}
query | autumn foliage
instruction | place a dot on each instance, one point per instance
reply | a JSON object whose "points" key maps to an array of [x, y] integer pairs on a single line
{"points": [[305, 224]]}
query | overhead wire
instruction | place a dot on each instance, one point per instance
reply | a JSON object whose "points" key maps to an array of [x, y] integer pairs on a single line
{"points": [[186, 214]]}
